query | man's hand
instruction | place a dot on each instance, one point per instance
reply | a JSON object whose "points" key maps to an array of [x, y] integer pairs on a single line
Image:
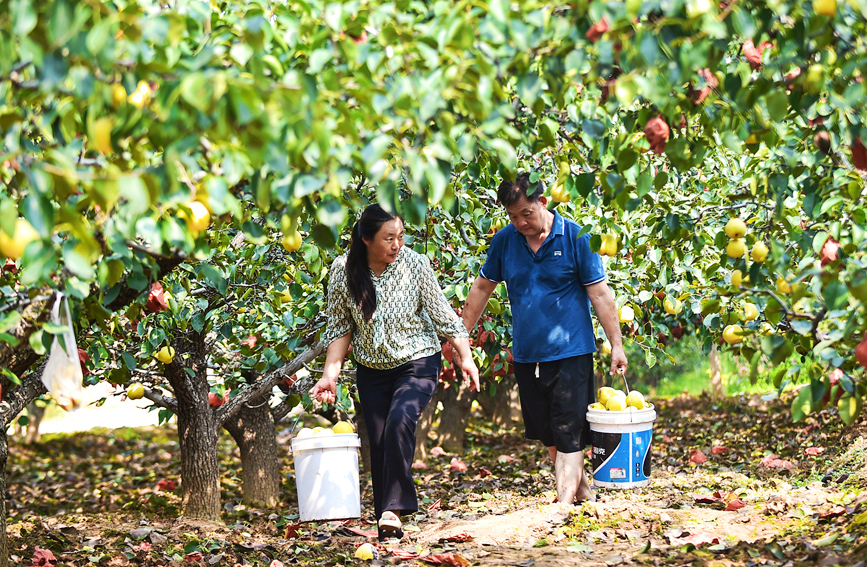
{"points": [[618, 361], [325, 390]]}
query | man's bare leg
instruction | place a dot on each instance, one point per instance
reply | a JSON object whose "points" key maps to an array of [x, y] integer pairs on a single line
{"points": [[569, 468]]}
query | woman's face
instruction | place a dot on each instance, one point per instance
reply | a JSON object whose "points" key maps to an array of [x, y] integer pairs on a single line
{"points": [[386, 243]]}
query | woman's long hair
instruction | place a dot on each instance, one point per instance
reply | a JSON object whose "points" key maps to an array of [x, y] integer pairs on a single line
{"points": [[357, 270]]}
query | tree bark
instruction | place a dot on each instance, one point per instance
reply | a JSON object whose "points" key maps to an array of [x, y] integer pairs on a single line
{"points": [[716, 373], [425, 422], [253, 430], [197, 431], [457, 401], [4, 457], [503, 408], [361, 427], [35, 413]]}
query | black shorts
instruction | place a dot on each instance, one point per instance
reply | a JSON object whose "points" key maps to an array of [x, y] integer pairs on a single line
{"points": [[555, 404]]}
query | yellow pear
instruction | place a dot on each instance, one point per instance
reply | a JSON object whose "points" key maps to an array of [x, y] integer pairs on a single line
{"points": [[603, 393], [343, 427], [635, 399], [760, 252], [733, 334], [13, 246], [750, 312], [292, 241], [736, 248], [672, 307], [736, 228], [626, 314], [738, 278], [199, 219], [166, 354], [616, 403]]}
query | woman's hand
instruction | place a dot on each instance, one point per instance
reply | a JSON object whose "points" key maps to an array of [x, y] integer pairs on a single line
{"points": [[325, 390]]}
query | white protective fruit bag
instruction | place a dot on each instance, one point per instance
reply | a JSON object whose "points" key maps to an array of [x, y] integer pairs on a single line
{"points": [[62, 373]]}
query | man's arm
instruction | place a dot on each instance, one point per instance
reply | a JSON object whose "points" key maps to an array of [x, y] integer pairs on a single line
{"points": [[476, 301], [603, 303]]}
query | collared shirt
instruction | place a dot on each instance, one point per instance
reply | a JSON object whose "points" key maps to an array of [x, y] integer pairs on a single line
{"points": [[411, 311], [550, 307]]}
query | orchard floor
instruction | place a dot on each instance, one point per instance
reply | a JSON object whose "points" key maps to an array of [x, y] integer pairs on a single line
{"points": [[734, 483]]}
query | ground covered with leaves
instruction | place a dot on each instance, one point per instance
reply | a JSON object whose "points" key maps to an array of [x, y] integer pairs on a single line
{"points": [[734, 483]]}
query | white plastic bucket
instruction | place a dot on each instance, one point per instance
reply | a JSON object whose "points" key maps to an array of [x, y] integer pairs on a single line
{"points": [[326, 475], [621, 446]]}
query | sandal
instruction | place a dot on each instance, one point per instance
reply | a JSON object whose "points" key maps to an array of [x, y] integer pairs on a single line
{"points": [[389, 524]]}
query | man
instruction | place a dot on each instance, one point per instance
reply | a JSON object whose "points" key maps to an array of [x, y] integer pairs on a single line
{"points": [[552, 277]]}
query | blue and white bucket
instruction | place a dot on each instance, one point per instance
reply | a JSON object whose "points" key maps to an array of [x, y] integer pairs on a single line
{"points": [[621, 446]]}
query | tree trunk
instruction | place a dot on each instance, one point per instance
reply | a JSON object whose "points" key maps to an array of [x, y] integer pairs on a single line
{"points": [[425, 422], [4, 457], [503, 408], [35, 413], [253, 430], [197, 432], [361, 427], [457, 401], [716, 373]]}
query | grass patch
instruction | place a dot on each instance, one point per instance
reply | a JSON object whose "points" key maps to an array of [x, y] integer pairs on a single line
{"points": [[690, 371]]}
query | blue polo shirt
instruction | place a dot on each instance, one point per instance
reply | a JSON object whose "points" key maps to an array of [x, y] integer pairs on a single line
{"points": [[550, 307]]}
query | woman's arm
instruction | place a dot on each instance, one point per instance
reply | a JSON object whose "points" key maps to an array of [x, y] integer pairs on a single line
{"points": [[326, 388]]}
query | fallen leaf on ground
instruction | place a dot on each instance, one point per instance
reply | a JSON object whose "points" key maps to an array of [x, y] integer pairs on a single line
{"points": [[813, 451], [735, 504], [43, 557], [457, 538], [833, 512], [775, 462], [719, 450], [450, 558], [165, 484], [436, 505], [437, 452], [457, 465], [483, 472], [401, 554], [194, 556], [697, 457], [696, 539], [357, 531], [506, 459], [292, 531]]}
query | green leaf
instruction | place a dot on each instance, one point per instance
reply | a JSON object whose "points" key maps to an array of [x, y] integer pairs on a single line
{"points": [[9, 320], [849, 408], [331, 212], [649, 358], [24, 17], [778, 105], [802, 404], [36, 343]]}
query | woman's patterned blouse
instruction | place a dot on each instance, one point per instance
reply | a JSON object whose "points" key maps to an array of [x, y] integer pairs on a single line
{"points": [[411, 311]]}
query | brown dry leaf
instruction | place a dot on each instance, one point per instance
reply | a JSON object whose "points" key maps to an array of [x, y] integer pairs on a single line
{"points": [[697, 457], [450, 558]]}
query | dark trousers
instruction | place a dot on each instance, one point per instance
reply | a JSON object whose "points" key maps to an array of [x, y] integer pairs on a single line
{"points": [[392, 401]]}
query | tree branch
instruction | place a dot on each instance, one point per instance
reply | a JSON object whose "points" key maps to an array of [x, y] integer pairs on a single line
{"points": [[265, 383]]}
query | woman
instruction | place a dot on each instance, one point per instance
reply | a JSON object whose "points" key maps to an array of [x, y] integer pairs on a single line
{"points": [[384, 299]]}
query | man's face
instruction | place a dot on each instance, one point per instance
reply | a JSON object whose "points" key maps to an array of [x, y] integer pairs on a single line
{"points": [[528, 216]]}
